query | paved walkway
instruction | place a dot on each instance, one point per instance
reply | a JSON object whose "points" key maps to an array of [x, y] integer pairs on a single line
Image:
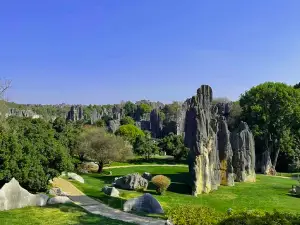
{"points": [[99, 208]]}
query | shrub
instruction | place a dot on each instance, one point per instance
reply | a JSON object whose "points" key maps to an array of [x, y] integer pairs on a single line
{"points": [[193, 215], [262, 218], [198, 215], [161, 182]]}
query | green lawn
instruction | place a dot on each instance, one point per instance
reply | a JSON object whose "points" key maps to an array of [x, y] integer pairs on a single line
{"points": [[54, 215], [267, 194], [138, 160]]}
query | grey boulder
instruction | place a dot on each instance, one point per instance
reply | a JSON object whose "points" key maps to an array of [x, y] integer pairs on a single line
{"points": [[59, 200], [147, 176], [111, 191], [57, 192], [74, 176], [13, 196], [131, 182], [146, 203]]}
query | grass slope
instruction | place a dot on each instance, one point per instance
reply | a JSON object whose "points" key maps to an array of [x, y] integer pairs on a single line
{"points": [[267, 194], [54, 215]]}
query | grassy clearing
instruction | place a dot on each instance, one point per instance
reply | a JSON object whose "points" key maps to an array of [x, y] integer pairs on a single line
{"points": [[58, 215], [137, 160], [267, 194]]}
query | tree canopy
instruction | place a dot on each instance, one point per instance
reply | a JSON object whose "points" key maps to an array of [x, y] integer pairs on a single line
{"points": [[104, 147], [130, 132], [272, 110]]}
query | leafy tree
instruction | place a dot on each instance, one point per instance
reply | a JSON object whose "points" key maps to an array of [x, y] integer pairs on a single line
{"points": [[127, 120], [297, 86], [30, 152], [100, 123], [104, 147], [129, 108], [129, 132], [170, 110], [145, 146], [174, 145], [59, 124], [144, 108], [272, 110]]}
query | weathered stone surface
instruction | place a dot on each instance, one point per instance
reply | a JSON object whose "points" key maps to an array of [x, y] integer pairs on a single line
{"points": [[146, 203], [156, 125], [200, 138], [224, 108], [89, 166], [57, 192], [75, 113], [131, 182], [41, 199], [111, 191], [242, 142], [147, 176], [22, 113], [113, 125], [225, 153], [74, 176], [265, 163], [59, 200], [13, 196]]}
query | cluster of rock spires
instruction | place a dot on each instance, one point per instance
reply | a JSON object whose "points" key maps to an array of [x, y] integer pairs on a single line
{"points": [[217, 157]]}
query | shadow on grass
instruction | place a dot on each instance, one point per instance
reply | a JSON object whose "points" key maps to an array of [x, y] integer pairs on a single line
{"points": [[293, 195]]}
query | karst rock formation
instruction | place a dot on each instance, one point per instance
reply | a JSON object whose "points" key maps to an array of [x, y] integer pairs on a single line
{"points": [[217, 157]]}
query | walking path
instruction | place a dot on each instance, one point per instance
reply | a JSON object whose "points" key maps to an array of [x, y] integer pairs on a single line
{"points": [[99, 208], [147, 165]]}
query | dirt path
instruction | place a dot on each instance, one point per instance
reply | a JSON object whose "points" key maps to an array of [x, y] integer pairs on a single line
{"points": [[99, 208]]}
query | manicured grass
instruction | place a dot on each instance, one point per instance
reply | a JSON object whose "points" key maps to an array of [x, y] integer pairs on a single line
{"points": [[54, 215], [267, 194], [137, 160]]}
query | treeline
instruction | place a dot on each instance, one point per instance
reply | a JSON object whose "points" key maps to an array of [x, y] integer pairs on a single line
{"points": [[35, 150]]}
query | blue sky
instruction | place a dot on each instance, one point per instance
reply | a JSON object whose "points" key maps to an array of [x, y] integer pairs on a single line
{"points": [[105, 51]]}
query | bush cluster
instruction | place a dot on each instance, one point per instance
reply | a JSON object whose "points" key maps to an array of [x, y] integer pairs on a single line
{"points": [[198, 215], [161, 182]]}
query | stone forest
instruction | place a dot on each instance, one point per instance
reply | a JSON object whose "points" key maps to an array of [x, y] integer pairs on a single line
{"points": [[202, 161]]}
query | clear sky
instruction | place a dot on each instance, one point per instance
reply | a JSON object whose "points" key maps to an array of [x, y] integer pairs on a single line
{"points": [[105, 51]]}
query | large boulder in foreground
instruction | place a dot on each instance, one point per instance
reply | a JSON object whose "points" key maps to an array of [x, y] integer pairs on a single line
{"points": [[146, 203], [242, 142], [131, 182], [13, 196]]}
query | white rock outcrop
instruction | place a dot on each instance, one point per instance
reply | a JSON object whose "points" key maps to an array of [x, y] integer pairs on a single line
{"points": [[13, 196], [74, 176]]}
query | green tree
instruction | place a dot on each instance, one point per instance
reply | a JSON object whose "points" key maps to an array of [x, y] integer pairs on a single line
{"points": [[144, 108], [129, 132], [100, 123], [130, 108], [170, 110], [272, 110], [104, 147], [145, 146], [127, 120], [174, 145], [297, 86], [30, 152]]}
